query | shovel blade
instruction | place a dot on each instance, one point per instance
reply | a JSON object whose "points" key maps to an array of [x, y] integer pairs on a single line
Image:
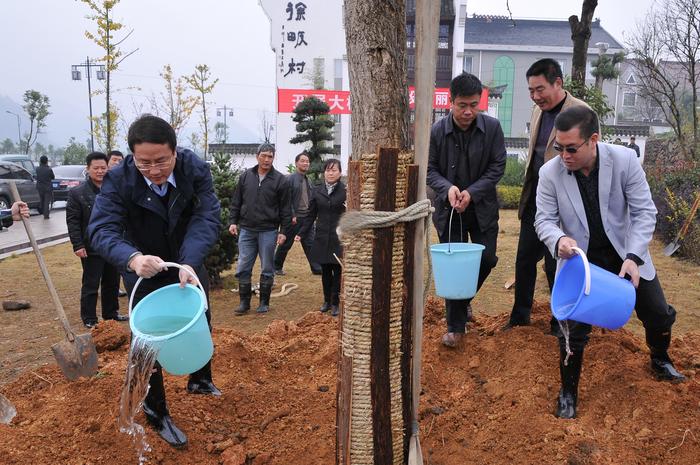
{"points": [[7, 410], [77, 358], [671, 248]]}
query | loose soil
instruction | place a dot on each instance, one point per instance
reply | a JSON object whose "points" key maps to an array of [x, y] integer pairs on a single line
{"points": [[489, 401]]}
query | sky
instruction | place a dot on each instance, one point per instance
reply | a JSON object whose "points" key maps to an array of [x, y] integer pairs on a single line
{"points": [[41, 39]]}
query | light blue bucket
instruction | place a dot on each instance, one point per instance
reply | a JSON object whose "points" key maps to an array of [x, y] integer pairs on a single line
{"points": [[587, 293], [456, 269], [173, 320]]}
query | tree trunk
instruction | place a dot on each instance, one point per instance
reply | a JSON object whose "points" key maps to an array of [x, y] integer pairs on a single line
{"points": [[580, 34], [108, 142], [376, 49]]}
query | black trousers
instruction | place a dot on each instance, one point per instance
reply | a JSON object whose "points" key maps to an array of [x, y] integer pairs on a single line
{"points": [[330, 277], [456, 310], [98, 274], [155, 399], [45, 198], [306, 242], [651, 307], [530, 251]]}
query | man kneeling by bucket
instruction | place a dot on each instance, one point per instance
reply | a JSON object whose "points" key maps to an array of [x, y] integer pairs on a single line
{"points": [[158, 206], [595, 196]]}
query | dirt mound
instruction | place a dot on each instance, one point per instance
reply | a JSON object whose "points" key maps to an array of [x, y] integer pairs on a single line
{"points": [[110, 335], [489, 401]]}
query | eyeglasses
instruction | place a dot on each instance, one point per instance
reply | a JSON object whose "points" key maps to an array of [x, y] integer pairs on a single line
{"points": [[561, 149], [152, 166]]}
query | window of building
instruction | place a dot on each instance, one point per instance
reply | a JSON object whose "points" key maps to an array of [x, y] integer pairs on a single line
{"points": [[467, 64], [410, 61], [564, 70], [410, 35], [444, 36], [629, 99], [631, 80], [443, 62]]}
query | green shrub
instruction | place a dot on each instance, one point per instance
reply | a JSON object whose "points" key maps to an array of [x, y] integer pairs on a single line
{"points": [[514, 174], [508, 196]]}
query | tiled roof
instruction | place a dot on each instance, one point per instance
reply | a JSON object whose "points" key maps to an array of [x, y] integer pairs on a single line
{"points": [[501, 30]]}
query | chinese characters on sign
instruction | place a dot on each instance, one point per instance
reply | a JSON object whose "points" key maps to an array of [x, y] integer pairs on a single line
{"points": [[339, 100], [293, 64]]}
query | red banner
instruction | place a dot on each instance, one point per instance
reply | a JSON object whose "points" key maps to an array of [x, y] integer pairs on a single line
{"points": [[339, 100]]}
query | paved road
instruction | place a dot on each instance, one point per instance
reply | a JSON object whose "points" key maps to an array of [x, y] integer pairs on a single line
{"points": [[47, 232]]}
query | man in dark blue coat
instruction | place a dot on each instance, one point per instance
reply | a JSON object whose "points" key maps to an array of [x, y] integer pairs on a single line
{"points": [[467, 157], [158, 205]]}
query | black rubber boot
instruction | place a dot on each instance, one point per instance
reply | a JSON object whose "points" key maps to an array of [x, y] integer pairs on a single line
{"points": [[661, 364], [200, 382], [335, 307], [570, 374], [265, 291], [165, 427], [244, 292]]}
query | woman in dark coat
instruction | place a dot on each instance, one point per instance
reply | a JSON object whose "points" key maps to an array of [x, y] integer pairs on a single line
{"points": [[326, 206]]}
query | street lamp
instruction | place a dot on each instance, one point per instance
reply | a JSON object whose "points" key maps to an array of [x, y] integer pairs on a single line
{"points": [[225, 110], [19, 137], [100, 75]]}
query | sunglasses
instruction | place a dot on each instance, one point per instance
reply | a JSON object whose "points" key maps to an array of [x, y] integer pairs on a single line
{"points": [[561, 149]]}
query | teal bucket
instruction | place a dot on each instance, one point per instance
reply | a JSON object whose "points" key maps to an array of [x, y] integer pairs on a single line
{"points": [[587, 293], [173, 320], [456, 269]]}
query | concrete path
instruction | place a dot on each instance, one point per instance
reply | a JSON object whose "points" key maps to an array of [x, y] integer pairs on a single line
{"points": [[15, 240]]}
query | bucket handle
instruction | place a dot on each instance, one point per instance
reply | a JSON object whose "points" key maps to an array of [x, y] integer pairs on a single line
{"points": [[586, 267], [168, 265], [449, 231]]}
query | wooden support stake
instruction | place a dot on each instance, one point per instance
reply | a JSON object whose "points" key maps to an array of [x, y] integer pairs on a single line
{"points": [[384, 200], [407, 309], [344, 387]]}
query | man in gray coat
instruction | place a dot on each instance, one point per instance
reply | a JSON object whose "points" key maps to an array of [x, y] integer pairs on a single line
{"points": [[595, 196]]}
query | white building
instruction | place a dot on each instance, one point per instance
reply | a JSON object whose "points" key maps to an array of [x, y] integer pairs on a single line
{"points": [[307, 35]]}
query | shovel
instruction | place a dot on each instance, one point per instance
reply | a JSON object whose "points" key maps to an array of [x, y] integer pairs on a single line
{"points": [[7, 410], [76, 356], [671, 248]]}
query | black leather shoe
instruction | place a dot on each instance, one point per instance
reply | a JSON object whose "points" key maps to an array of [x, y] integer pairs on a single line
{"points": [[512, 324], [280, 272], [335, 310], [122, 293], [119, 318], [165, 427], [203, 387], [317, 272], [566, 405], [325, 307], [665, 371], [90, 324]]}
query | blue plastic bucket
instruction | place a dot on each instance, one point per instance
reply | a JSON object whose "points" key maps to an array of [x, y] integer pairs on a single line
{"points": [[173, 320], [587, 293], [456, 269]]}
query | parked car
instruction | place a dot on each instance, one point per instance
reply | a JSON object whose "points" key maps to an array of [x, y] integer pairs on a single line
{"points": [[22, 160], [26, 185], [67, 177]]}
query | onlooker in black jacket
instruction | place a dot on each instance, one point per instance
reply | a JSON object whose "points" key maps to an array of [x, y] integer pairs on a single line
{"points": [[300, 199], [467, 157], [327, 205], [97, 273], [44, 176], [260, 212]]}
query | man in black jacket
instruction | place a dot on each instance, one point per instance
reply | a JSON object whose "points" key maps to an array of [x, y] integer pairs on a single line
{"points": [[159, 206], [467, 157], [44, 176], [260, 211], [96, 272], [12, 214], [300, 193]]}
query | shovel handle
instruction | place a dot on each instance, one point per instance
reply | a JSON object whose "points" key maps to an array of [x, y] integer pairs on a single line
{"points": [[44, 270], [689, 220], [586, 267]]}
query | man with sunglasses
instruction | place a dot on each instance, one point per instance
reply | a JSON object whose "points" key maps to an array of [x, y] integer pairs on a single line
{"points": [[467, 157], [595, 196], [158, 206], [545, 82]]}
